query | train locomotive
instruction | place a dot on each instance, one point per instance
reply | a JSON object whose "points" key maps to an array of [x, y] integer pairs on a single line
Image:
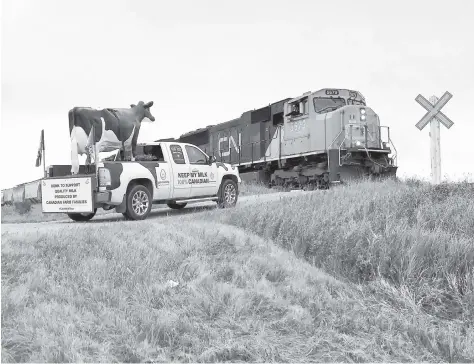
{"points": [[310, 141]]}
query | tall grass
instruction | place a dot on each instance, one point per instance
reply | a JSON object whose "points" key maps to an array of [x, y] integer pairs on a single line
{"points": [[412, 234], [254, 188], [374, 272]]}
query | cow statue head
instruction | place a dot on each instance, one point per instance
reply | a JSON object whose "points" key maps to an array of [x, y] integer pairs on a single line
{"points": [[145, 108]]}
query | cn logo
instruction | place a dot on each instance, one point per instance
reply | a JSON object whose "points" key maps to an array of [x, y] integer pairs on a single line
{"points": [[225, 153]]}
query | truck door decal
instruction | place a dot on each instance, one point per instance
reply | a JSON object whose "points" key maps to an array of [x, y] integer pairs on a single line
{"points": [[163, 176], [194, 177]]}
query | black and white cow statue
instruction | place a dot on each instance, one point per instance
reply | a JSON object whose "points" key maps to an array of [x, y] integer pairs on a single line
{"points": [[113, 129]]}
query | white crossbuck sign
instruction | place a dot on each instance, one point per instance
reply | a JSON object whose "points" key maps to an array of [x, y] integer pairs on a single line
{"points": [[434, 116], [434, 111]]}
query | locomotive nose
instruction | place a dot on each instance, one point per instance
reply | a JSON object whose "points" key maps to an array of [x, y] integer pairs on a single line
{"points": [[358, 114], [361, 127]]}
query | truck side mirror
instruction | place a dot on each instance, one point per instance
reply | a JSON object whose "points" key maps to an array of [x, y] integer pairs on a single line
{"points": [[212, 159]]}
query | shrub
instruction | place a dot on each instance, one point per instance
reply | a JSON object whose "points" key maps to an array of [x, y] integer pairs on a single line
{"points": [[22, 207]]}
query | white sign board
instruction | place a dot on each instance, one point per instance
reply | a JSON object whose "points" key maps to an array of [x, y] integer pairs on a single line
{"points": [[67, 195]]}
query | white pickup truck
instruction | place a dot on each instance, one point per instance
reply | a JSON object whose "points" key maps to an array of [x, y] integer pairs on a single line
{"points": [[169, 173]]}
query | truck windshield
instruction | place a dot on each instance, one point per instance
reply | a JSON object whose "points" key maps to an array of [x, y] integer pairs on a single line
{"points": [[327, 104]]}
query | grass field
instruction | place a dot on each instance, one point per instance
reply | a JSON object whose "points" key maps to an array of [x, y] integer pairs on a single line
{"points": [[374, 272]]}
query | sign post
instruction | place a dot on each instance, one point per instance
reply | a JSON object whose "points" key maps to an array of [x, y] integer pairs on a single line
{"points": [[434, 116]]}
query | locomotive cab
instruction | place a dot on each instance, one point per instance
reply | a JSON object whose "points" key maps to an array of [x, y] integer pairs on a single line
{"points": [[339, 127], [357, 124]]}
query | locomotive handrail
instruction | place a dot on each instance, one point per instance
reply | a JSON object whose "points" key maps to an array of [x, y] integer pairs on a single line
{"points": [[340, 145], [395, 156], [332, 143]]}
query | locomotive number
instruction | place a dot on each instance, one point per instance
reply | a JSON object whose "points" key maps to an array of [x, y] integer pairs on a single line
{"points": [[297, 126], [332, 92]]}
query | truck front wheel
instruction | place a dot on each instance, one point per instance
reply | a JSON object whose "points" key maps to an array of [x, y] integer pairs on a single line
{"points": [[138, 203], [82, 216], [228, 194]]}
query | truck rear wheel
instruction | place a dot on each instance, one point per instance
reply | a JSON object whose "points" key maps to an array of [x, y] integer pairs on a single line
{"points": [[228, 194], [82, 216], [138, 203], [176, 206]]}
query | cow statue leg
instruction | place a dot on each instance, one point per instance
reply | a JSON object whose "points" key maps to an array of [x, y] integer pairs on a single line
{"points": [[127, 150], [134, 141], [88, 153], [74, 152], [124, 151], [133, 151], [132, 154]]}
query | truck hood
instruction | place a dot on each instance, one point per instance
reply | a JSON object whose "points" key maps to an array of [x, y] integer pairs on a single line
{"points": [[228, 167]]}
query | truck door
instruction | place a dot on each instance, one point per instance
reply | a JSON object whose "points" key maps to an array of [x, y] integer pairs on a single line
{"points": [[180, 171], [203, 177]]}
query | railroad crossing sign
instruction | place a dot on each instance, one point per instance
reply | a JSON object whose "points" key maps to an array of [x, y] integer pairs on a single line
{"points": [[434, 116], [434, 110]]}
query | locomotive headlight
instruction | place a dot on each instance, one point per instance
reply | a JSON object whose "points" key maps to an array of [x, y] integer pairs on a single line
{"points": [[358, 143], [362, 111], [362, 117]]}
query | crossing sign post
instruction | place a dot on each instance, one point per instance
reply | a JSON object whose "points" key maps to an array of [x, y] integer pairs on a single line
{"points": [[434, 116]]}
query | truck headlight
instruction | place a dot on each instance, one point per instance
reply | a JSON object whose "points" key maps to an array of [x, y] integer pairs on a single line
{"points": [[104, 177]]}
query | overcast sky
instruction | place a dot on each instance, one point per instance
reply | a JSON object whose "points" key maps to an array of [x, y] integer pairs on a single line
{"points": [[205, 62]]}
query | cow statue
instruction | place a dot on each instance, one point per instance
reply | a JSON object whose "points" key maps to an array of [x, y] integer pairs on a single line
{"points": [[113, 129]]}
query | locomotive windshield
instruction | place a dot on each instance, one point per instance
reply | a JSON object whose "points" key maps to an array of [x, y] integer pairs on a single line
{"points": [[327, 104]]}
